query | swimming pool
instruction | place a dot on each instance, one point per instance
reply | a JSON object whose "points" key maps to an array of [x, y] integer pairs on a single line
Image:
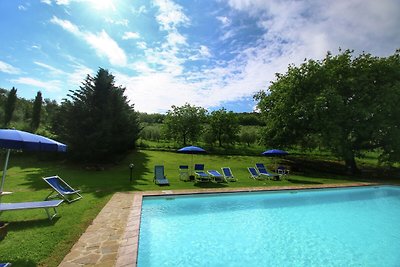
{"points": [[357, 226]]}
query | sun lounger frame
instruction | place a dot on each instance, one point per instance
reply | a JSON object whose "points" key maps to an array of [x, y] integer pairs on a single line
{"points": [[46, 205]]}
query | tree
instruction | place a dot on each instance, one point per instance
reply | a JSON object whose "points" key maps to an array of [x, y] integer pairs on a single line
{"points": [[343, 104], [248, 135], [224, 126], [184, 124], [98, 122], [248, 119], [9, 107], [36, 112]]}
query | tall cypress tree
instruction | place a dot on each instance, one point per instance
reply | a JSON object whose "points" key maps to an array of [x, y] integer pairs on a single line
{"points": [[97, 122], [9, 107], [36, 112]]}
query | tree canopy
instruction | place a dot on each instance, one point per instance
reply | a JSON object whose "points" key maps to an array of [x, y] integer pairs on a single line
{"points": [[97, 122], [224, 126], [9, 106], [343, 103], [36, 111], [184, 124]]}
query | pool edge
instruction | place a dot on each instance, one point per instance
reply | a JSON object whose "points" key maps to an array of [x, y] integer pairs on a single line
{"points": [[128, 251]]}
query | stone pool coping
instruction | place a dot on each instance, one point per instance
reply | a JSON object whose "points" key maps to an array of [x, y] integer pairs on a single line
{"points": [[113, 237]]}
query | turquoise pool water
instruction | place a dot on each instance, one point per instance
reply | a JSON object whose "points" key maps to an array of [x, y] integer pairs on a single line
{"points": [[329, 227]]}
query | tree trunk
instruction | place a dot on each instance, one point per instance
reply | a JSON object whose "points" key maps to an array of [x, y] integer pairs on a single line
{"points": [[351, 166]]}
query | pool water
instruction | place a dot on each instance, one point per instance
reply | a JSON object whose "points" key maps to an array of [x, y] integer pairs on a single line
{"points": [[329, 227]]}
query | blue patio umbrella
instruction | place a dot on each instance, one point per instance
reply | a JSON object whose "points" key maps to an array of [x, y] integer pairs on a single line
{"points": [[15, 139], [275, 153], [191, 150]]}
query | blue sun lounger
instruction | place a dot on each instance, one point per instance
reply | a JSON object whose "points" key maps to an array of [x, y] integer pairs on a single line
{"points": [[7, 264], [62, 189], [159, 176], [200, 174], [47, 204], [263, 171], [228, 174], [255, 175], [216, 176]]}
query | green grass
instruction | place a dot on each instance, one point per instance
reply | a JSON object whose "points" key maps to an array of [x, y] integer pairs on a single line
{"points": [[33, 240]]}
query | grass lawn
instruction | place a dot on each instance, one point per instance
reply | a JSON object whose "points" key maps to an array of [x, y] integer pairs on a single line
{"points": [[33, 240]]}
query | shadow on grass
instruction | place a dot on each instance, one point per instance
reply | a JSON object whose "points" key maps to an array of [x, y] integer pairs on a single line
{"points": [[24, 263], [21, 225], [99, 181]]}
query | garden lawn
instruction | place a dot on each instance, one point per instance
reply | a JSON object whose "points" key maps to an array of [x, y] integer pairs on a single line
{"points": [[33, 240]]}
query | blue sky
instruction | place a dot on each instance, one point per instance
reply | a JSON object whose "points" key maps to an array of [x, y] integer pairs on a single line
{"points": [[208, 53]]}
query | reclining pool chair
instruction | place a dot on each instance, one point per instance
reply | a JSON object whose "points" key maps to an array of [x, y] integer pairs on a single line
{"points": [[216, 176], [46, 205], [200, 174], [62, 189], [159, 176], [262, 170], [184, 173], [226, 171], [7, 264], [254, 174]]}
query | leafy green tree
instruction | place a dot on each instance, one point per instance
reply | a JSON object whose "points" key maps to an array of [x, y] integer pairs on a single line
{"points": [[98, 123], [151, 118], [224, 126], [50, 108], [9, 106], [248, 119], [345, 104], [184, 124], [248, 135], [36, 112]]}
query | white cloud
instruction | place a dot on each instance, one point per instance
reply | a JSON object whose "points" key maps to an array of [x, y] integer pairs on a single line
{"points": [[57, 2], [66, 25], [313, 27], [130, 35], [49, 86], [78, 75], [174, 38], [48, 2], [170, 15], [122, 22], [228, 35], [156, 92], [204, 51], [141, 10], [7, 68], [52, 69], [141, 45], [22, 8], [282, 32], [103, 44], [224, 21]]}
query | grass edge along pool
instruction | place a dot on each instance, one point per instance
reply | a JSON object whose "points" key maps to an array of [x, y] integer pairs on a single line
{"points": [[335, 226]]}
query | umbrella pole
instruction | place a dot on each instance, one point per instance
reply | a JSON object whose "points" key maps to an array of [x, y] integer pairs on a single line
{"points": [[191, 166], [5, 169]]}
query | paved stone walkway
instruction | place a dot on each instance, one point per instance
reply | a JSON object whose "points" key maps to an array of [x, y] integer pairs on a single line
{"points": [[100, 244], [112, 238]]}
